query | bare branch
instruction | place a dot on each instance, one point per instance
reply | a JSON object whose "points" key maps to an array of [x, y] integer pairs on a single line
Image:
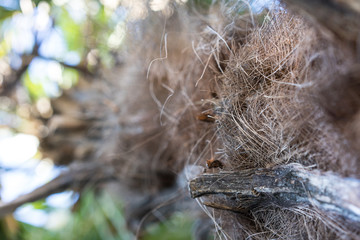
{"points": [[13, 79], [77, 176]]}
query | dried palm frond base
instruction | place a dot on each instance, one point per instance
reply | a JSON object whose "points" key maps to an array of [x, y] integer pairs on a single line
{"points": [[250, 95], [255, 91]]}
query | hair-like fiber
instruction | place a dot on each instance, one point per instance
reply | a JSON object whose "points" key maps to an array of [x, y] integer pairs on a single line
{"points": [[252, 90]]}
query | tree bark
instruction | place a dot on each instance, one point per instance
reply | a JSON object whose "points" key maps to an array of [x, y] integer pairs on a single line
{"points": [[284, 186]]}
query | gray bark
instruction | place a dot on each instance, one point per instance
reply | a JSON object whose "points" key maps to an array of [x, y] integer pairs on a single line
{"points": [[284, 186]]}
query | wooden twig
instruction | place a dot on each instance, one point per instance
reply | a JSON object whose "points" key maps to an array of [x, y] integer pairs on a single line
{"points": [[285, 186], [77, 176]]}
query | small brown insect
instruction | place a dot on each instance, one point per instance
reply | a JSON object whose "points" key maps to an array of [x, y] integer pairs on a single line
{"points": [[212, 163], [206, 117]]}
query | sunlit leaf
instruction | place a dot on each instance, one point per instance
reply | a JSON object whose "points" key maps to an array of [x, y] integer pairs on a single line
{"points": [[40, 204]]}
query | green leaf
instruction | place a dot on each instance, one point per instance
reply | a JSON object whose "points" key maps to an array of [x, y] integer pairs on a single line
{"points": [[4, 13], [40, 205]]}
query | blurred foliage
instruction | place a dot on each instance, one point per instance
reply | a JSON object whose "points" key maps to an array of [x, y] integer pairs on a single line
{"points": [[4, 13], [9, 228], [35, 89], [94, 218], [74, 33], [40, 204], [178, 227], [99, 218]]}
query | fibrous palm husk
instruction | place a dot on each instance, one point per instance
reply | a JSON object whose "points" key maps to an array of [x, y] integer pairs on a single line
{"points": [[249, 90]]}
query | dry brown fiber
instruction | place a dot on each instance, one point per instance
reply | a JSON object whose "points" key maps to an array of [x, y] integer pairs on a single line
{"points": [[249, 90], [278, 89]]}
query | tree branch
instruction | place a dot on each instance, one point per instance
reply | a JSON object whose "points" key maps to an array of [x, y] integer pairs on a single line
{"points": [[287, 185], [12, 80], [77, 176]]}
